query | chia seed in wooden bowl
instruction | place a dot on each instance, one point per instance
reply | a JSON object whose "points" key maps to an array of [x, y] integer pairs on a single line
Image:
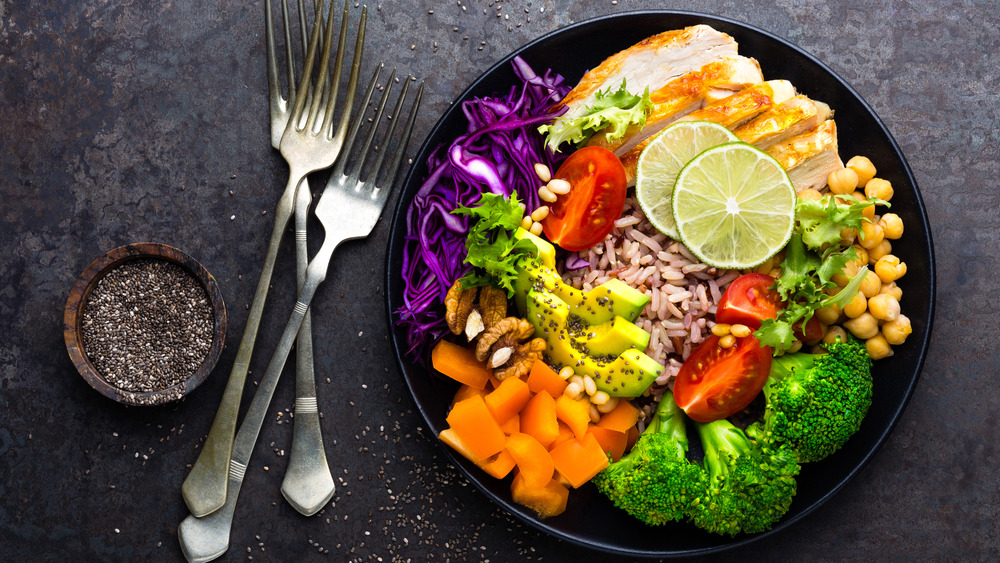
{"points": [[145, 324]]}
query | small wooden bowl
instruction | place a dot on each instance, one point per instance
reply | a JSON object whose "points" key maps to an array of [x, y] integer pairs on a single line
{"points": [[80, 292]]}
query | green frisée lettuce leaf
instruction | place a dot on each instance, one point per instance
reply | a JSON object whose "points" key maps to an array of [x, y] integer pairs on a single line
{"points": [[815, 253], [491, 249], [820, 222], [612, 112]]}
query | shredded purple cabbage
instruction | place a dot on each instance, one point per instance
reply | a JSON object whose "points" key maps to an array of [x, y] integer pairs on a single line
{"points": [[497, 154]]}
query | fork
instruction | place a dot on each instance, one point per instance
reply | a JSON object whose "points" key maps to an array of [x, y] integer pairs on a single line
{"points": [[348, 209], [308, 483], [307, 149]]}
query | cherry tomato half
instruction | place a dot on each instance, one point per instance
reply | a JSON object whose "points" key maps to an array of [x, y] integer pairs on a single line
{"points": [[716, 382], [750, 299], [584, 216]]}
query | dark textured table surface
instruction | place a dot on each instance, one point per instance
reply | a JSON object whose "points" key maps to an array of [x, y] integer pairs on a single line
{"points": [[125, 121]]}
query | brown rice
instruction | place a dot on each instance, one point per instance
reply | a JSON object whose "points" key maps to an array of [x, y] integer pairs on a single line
{"points": [[683, 292]]}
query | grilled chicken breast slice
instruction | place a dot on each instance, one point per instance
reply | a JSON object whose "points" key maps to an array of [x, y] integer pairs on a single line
{"points": [[685, 94], [730, 112], [651, 63], [809, 158], [792, 117]]}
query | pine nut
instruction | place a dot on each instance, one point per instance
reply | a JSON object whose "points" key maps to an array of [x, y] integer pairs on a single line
{"points": [[535, 229], [727, 341], [595, 414], [526, 223], [540, 213], [573, 390], [546, 195], [600, 398], [566, 372], [740, 331], [576, 379], [589, 385], [609, 406], [543, 172], [721, 329], [559, 186]]}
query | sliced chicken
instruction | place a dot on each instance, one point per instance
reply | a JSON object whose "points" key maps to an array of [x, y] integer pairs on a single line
{"points": [[809, 158], [685, 94], [730, 112], [792, 117], [651, 63]]}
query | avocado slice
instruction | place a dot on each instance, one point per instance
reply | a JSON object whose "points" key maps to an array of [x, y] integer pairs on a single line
{"points": [[610, 352]]}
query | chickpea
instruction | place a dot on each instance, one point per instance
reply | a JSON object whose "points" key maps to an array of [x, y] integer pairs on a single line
{"points": [[863, 167], [842, 181], [871, 235], [834, 334], [883, 307], [879, 250], [889, 268], [869, 210], [871, 285], [828, 315], [892, 225], [877, 187], [856, 307], [892, 290], [862, 253], [809, 193], [848, 235], [864, 326], [897, 330], [877, 347]]}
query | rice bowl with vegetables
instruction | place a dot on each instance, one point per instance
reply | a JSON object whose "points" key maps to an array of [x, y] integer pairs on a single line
{"points": [[680, 300]]}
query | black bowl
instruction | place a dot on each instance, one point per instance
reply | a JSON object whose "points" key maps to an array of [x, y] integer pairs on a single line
{"points": [[590, 520]]}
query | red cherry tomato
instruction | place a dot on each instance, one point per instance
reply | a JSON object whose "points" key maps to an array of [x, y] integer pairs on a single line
{"points": [[584, 216], [750, 299], [716, 382]]}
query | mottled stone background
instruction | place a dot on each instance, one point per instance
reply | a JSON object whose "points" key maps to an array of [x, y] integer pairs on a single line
{"points": [[134, 120]]}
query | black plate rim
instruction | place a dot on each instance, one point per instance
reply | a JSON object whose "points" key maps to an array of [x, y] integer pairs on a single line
{"points": [[399, 219]]}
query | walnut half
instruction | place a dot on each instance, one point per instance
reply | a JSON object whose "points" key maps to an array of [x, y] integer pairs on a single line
{"points": [[509, 349], [465, 313]]}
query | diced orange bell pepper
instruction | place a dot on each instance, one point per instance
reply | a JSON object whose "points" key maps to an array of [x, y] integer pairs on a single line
{"points": [[538, 418], [576, 414], [621, 418], [508, 399], [497, 465], [579, 459], [612, 442], [476, 427], [547, 501], [543, 378], [460, 364], [534, 463]]}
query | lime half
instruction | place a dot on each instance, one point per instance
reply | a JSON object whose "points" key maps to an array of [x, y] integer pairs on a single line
{"points": [[663, 159], [734, 206]]}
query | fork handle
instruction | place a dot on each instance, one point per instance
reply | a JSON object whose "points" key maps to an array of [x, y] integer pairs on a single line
{"points": [[308, 484], [206, 538], [204, 489]]}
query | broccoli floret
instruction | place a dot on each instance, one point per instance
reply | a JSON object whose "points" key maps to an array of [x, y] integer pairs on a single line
{"points": [[815, 402], [750, 485], [655, 482]]}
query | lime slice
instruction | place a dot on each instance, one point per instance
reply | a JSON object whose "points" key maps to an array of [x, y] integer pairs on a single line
{"points": [[662, 160], [734, 206]]}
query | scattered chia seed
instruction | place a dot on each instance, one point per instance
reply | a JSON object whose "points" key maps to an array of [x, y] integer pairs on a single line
{"points": [[147, 325]]}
